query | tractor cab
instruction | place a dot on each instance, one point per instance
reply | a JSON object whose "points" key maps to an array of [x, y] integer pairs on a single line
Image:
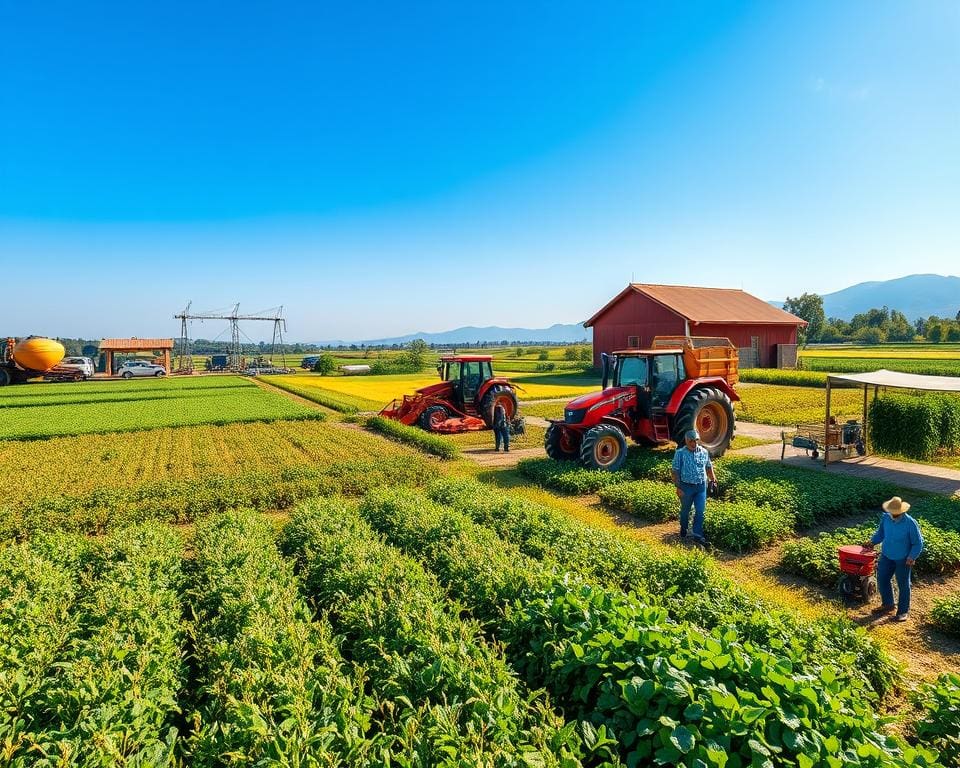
{"points": [[655, 373], [466, 374]]}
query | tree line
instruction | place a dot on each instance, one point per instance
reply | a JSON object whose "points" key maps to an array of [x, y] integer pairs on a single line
{"points": [[875, 326]]}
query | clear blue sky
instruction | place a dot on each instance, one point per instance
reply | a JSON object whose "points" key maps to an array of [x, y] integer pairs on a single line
{"points": [[382, 168]]}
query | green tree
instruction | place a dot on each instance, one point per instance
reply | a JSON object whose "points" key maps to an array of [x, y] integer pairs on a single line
{"points": [[518, 352], [953, 332], [934, 331], [870, 335], [326, 364], [585, 354], [570, 353], [809, 307], [899, 329], [416, 356], [543, 355]]}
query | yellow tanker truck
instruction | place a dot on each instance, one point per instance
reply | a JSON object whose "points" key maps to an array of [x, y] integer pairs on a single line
{"points": [[28, 359]]}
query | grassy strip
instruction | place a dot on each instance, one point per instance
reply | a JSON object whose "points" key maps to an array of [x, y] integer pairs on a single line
{"points": [[927, 366], [945, 615], [664, 692], [272, 686], [684, 583], [418, 652], [784, 377], [938, 726], [189, 500], [425, 441], [113, 697]]}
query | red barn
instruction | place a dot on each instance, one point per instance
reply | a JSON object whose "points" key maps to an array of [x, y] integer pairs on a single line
{"points": [[640, 311]]}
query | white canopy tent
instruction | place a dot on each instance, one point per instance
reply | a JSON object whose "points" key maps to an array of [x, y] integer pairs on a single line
{"points": [[888, 380]]}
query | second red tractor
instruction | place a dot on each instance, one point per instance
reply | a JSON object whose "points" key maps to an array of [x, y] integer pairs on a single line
{"points": [[463, 400], [651, 396]]}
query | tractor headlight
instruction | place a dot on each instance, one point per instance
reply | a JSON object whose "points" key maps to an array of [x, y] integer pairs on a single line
{"points": [[574, 415]]}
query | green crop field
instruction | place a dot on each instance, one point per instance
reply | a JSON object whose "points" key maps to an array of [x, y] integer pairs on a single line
{"points": [[35, 411], [282, 590]]}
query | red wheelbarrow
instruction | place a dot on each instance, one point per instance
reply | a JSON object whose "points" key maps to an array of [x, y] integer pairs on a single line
{"points": [[857, 565]]}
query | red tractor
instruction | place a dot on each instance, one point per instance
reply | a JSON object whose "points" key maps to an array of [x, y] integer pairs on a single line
{"points": [[653, 396], [463, 401]]}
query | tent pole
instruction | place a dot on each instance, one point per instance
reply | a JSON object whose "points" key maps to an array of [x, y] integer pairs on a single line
{"points": [[866, 443], [826, 429]]}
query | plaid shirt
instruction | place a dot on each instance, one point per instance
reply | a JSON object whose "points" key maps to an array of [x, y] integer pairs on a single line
{"points": [[691, 466]]}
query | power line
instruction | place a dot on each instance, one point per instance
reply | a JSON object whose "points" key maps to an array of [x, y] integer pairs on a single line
{"points": [[273, 315]]}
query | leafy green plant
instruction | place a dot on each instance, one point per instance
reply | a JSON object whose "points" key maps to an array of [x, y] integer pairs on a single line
{"points": [[425, 441], [938, 726], [568, 476], [907, 425], [946, 614]]}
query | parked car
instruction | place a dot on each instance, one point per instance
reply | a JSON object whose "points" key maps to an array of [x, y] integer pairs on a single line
{"points": [[82, 364], [309, 361], [133, 368]]}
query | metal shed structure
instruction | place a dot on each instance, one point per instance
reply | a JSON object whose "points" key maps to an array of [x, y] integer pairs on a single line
{"points": [[111, 346], [887, 380], [765, 336]]}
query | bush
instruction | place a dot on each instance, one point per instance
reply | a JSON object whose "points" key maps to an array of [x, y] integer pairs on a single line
{"points": [[568, 476], [817, 560], [646, 499], [907, 425], [938, 726], [325, 364], [946, 614], [425, 441], [743, 527]]}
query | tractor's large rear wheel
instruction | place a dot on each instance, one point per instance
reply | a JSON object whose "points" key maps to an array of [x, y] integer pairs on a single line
{"points": [[498, 394], [710, 412], [562, 444], [603, 447], [433, 417]]}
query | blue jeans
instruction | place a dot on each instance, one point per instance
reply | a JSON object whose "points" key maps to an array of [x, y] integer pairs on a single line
{"points": [[501, 435], [693, 495], [886, 570]]}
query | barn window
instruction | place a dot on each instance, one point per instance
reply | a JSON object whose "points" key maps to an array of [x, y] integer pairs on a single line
{"points": [[633, 342]]}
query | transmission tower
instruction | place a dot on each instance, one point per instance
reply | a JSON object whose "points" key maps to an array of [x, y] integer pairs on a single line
{"points": [[274, 315]]}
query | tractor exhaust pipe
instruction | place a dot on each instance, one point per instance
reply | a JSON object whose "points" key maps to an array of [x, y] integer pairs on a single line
{"points": [[605, 368]]}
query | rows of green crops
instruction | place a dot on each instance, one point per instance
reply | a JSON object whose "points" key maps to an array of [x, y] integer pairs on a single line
{"points": [[44, 410], [927, 367], [480, 630]]}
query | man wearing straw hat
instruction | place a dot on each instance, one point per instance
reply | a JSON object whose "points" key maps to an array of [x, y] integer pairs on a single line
{"points": [[902, 545]]}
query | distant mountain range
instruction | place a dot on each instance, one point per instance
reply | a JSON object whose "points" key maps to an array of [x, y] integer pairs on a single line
{"points": [[914, 295], [556, 334]]}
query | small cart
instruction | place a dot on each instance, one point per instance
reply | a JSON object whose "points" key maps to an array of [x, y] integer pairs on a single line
{"points": [[857, 579], [814, 438]]}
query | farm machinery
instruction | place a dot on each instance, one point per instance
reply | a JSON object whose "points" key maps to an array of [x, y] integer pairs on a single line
{"points": [[29, 358], [464, 400], [652, 396]]}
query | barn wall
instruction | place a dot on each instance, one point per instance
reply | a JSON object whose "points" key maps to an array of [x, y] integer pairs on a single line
{"points": [[634, 315], [741, 336]]}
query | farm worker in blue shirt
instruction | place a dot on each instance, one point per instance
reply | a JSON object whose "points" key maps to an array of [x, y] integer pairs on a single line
{"points": [[691, 469], [902, 545]]}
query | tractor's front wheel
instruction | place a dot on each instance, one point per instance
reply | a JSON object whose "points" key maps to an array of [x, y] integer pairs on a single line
{"points": [[603, 447], [433, 417], [561, 444], [710, 412], [498, 394]]}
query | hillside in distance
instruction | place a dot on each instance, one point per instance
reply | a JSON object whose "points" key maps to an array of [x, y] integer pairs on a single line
{"points": [[560, 333], [914, 295]]}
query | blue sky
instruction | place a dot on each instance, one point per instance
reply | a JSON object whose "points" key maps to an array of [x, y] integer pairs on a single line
{"points": [[382, 168]]}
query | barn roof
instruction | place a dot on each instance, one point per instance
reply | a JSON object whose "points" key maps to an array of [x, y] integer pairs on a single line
{"points": [[135, 345], [707, 305]]}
